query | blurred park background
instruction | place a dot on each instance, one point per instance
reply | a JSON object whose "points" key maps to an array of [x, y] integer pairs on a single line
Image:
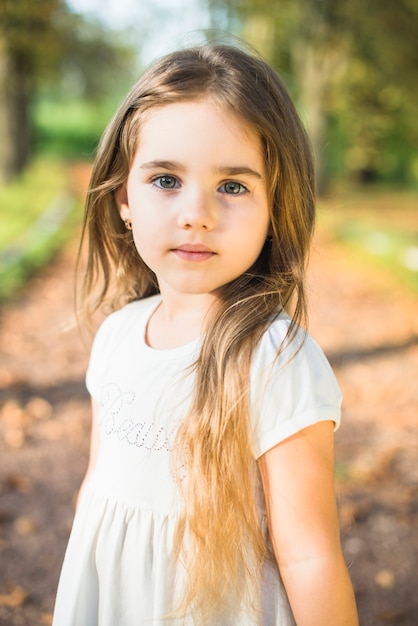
{"points": [[352, 69]]}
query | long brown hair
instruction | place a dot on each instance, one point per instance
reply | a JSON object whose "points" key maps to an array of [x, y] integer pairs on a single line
{"points": [[225, 545]]}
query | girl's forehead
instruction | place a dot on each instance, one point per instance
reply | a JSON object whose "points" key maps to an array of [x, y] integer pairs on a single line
{"points": [[207, 105], [205, 112]]}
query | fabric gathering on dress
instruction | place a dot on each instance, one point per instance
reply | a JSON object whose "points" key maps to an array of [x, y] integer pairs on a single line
{"points": [[119, 568]]}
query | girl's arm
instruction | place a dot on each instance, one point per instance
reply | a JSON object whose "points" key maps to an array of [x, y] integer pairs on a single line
{"points": [[298, 482], [94, 447]]}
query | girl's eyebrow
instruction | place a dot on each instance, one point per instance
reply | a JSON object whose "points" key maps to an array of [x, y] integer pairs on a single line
{"points": [[163, 165], [227, 170], [239, 170]]}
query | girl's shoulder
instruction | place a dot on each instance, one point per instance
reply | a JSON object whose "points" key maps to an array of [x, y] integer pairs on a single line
{"points": [[120, 326], [132, 314], [291, 358], [283, 344], [132, 310], [292, 385], [115, 337], [280, 341]]}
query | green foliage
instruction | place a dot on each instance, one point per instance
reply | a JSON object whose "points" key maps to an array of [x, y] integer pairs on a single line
{"points": [[26, 32], [69, 129], [44, 48], [52, 44], [352, 68]]}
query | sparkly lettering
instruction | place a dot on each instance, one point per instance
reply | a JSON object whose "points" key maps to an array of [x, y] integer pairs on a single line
{"points": [[116, 419]]}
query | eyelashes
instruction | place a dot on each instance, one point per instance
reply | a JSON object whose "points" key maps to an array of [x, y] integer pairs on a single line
{"points": [[166, 182], [232, 187]]}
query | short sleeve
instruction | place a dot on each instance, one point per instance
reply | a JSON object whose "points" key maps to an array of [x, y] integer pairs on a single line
{"points": [[292, 391], [99, 356]]}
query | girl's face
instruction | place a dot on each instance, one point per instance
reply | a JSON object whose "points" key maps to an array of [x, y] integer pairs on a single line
{"points": [[197, 197]]}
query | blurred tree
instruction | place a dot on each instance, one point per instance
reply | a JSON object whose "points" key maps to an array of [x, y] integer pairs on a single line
{"points": [[352, 67], [23, 27], [44, 43]]}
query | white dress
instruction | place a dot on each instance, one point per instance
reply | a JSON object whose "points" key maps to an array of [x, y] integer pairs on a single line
{"points": [[118, 568]]}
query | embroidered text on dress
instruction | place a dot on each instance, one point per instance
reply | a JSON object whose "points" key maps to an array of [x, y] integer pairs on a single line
{"points": [[116, 419]]}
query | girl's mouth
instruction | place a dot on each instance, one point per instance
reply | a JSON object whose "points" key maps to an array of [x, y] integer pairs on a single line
{"points": [[193, 252]]}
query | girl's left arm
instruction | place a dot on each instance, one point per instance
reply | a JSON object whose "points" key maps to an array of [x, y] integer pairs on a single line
{"points": [[298, 482], [94, 447]]}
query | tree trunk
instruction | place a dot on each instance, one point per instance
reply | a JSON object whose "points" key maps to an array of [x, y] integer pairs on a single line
{"points": [[6, 142], [313, 78], [15, 144], [318, 67]]}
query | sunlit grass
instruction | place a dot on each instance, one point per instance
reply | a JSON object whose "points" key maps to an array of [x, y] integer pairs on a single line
{"points": [[36, 210], [27, 198], [36, 218], [379, 228]]}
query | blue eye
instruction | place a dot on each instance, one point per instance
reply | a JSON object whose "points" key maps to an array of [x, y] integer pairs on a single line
{"points": [[233, 188], [165, 182]]}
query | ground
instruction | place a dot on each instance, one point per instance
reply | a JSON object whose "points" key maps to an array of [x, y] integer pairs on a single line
{"points": [[367, 324]]}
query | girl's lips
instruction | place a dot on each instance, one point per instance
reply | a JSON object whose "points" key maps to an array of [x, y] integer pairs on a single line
{"points": [[193, 252]]}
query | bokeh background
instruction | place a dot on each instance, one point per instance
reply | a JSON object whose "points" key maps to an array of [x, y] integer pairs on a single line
{"points": [[352, 69]]}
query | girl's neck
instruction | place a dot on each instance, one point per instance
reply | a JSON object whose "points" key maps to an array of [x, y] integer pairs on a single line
{"points": [[177, 322]]}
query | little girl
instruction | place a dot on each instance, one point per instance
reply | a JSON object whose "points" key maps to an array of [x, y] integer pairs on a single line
{"points": [[209, 497]]}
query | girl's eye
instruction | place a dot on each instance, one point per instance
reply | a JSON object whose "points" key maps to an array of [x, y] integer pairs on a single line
{"points": [[232, 187], [165, 182]]}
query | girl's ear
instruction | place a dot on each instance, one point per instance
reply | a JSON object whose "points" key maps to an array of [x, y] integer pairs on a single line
{"points": [[121, 196]]}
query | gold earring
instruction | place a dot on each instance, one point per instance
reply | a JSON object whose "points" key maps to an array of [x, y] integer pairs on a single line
{"points": [[128, 224]]}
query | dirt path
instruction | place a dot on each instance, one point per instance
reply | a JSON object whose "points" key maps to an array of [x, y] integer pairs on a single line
{"points": [[368, 327]]}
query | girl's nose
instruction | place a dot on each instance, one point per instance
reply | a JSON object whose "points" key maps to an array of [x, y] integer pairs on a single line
{"points": [[196, 210]]}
